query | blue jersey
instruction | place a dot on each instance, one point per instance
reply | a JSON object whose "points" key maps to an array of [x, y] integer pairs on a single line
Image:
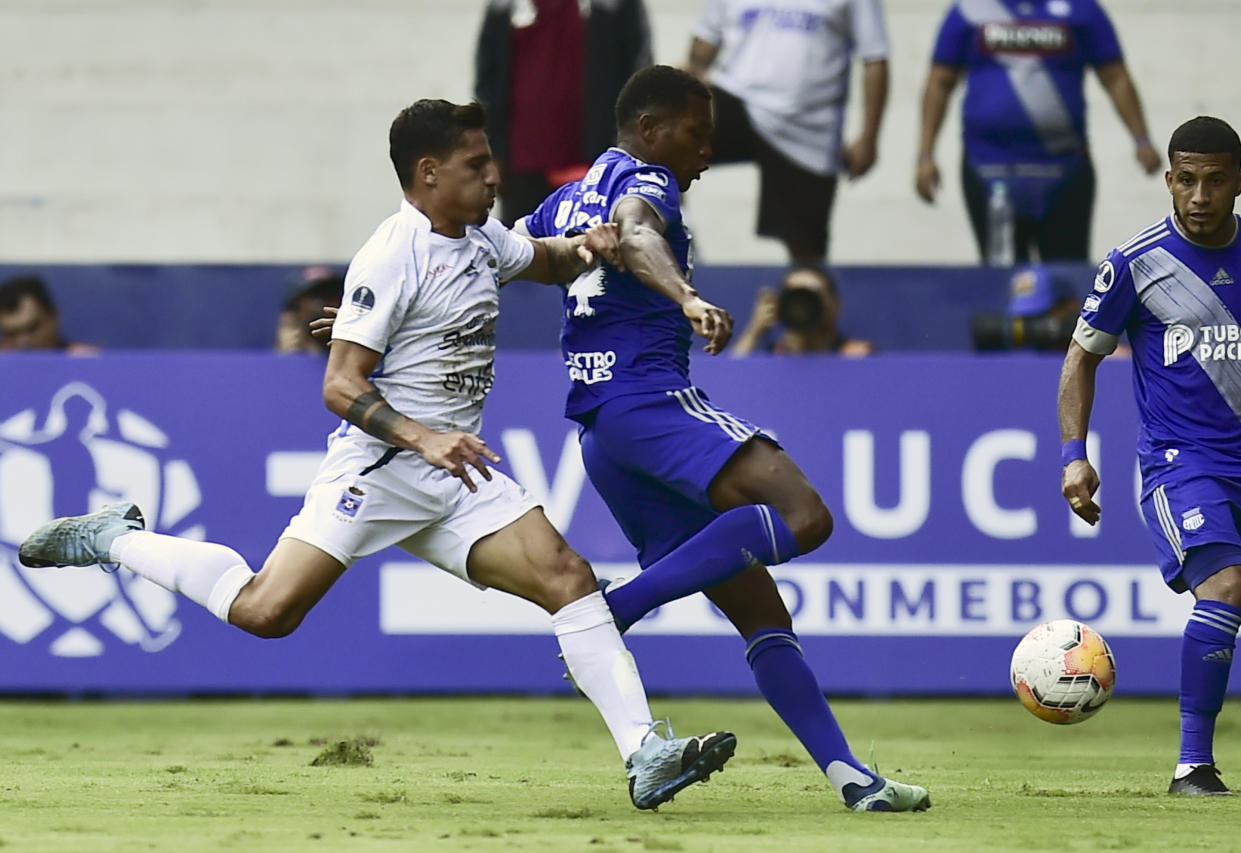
{"points": [[1025, 62], [1179, 304], [618, 336]]}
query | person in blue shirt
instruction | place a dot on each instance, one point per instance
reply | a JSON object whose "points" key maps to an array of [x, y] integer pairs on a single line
{"points": [[1024, 115], [707, 499], [1175, 289]]}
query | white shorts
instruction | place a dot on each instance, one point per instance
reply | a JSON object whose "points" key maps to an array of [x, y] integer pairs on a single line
{"points": [[367, 496]]}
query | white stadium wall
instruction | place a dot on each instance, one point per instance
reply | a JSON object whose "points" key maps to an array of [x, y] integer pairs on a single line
{"points": [[255, 130]]}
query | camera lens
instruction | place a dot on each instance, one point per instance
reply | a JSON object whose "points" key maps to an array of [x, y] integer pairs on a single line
{"points": [[800, 310]]}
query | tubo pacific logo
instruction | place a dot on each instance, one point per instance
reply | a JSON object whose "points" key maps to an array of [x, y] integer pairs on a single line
{"points": [[69, 458]]}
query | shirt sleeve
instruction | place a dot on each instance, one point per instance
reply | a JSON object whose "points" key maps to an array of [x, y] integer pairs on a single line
{"points": [[1108, 307], [710, 26], [376, 295], [513, 252], [655, 185], [546, 220], [870, 35], [1101, 43], [952, 43]]}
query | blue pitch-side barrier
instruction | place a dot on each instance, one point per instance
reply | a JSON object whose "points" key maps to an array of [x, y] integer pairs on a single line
{"points": [[221, 306], [942, 471]]}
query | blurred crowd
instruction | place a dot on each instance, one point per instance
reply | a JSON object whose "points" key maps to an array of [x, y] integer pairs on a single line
{"points": [[781, 75]]}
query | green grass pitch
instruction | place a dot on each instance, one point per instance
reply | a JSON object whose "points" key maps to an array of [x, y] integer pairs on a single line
{"points": [[541, 774]]}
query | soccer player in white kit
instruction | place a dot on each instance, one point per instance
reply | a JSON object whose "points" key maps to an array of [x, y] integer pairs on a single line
{"points": [[409, 368]]}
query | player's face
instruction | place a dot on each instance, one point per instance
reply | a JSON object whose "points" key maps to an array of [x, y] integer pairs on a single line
{"points": [[466, 181], [683, 141], [1204, 188]]}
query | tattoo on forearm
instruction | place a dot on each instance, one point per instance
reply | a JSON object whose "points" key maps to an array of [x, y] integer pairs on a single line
{"points": [[371, 412]]}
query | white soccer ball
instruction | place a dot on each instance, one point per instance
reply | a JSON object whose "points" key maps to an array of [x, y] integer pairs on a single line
{"points": [[1063, 671]]}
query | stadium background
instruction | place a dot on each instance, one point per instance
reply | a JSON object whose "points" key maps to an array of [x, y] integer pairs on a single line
{"points": [[148, 143]]}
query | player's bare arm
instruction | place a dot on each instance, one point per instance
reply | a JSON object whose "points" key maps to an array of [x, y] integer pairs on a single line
{"points": [[1078, 481], [562, 259], [649, 257], [349, 393]]}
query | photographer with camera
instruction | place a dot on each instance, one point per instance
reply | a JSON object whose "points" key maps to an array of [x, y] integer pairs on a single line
{"points": [[801, 317], [1041, 315]]}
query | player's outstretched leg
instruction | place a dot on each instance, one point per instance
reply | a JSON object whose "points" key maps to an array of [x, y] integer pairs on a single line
{"points": [[211, 575]]}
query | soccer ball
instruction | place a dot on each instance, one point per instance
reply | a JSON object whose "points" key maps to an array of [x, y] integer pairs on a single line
{"points": [[1063, 671]]}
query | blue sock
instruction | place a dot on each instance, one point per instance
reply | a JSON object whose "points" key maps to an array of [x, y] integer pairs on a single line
{"points": [[1206, 659], [719, 551], [790, 688]]}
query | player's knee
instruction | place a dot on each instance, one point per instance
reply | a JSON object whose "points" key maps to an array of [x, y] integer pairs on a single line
{"points": [[811, 524], [1224, 585], [570, 579], [267, 619]]}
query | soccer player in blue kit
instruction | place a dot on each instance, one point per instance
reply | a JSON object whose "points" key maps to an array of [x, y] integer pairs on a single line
{"points": [[707, 499], [1175, 289]]}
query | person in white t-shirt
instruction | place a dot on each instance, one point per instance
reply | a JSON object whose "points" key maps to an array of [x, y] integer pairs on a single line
{"points": [[780, 80], [409, 368]]}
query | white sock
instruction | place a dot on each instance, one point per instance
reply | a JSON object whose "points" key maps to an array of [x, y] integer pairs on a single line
{"points": [[211, 575], [604, 669], [1183, 770]]}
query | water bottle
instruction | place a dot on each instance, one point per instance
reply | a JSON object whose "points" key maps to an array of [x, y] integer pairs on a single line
{"points": [[1001, 248]]}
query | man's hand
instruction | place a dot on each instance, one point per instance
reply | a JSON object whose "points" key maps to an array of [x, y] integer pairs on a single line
{"points": [[1078, 484], [1148, 158], [859, 157], [602, 241], [714, 324], [454, 451], [321, 328], [926, 180], [766, 310]]}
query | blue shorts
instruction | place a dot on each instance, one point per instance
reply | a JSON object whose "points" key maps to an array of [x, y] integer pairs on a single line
{"points": [[1188, 513], [652, 458]]}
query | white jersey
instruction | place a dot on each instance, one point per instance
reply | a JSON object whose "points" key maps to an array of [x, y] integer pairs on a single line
{"points": [[788, 62], [429, 304]]}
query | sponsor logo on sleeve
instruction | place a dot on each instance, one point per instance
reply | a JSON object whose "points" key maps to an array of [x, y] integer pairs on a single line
{"points": [[1104, 277], [362, 300], [653, 178], [1091, 304]]}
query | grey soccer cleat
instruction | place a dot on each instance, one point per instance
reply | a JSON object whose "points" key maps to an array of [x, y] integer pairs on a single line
{"points": [[1202, 781], [887, 795], [663, 766], [80, 540]]}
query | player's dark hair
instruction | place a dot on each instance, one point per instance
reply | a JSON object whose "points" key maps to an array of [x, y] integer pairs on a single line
{"points": [[657, 88], [15, 289], [430, 128], [1206, 135]]}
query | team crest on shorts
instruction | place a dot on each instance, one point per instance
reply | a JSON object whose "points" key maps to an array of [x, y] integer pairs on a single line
{"points": [[350, 501], [1191, 519]]}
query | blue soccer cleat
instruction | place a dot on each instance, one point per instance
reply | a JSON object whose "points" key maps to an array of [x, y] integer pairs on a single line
{"points": [[80, 540], [663, 766]]}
